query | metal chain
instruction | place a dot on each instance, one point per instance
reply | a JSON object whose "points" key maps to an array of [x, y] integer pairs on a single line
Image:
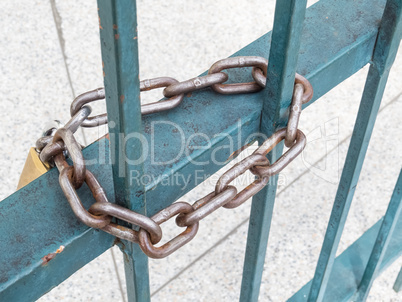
{"points": [[175, 90], [101, 213]]}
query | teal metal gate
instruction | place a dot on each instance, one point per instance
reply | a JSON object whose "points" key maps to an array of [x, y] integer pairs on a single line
{"points": [[295, 44]]}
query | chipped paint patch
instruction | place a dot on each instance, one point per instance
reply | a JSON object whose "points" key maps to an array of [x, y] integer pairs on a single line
{"points": [[50, 256]]}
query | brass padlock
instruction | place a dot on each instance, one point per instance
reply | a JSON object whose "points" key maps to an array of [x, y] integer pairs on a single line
{"points": [[33, 168]]}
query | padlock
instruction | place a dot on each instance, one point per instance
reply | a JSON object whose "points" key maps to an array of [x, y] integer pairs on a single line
{"points": [[33, 168]]}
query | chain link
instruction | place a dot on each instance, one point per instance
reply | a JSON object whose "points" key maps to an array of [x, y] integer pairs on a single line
{"points": [[175, 90], [170, 103], [195, 84], [178, 241], [206, 205], [47, 135], [47, 139], [286, 158], [101, 213], [85, 98], [261, 79], [235, 172], [74, 149], [294, 115], [238, 62], [66, 184], [132, 217]]}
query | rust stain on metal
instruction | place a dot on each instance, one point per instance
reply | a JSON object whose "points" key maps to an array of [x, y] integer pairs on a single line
{"points": [[50, 256], [100, 26], [139, 193], [116, 36], [237, 152], [122, 97], [102, 137], [135, 38], [120, 227], [189, 94], [115, 26], [147, 129], [122, 248], [117, 241]]}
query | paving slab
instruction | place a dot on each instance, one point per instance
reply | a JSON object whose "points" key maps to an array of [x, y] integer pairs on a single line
{"points": [[33, 83], [54, 55], [300, 217]]}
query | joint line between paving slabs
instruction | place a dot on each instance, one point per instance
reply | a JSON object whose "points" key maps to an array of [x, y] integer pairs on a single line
{"points": [[220, 241], [58, 21]]}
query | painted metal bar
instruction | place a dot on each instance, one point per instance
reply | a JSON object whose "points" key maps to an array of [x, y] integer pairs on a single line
{"points": [[398, 282], [119, 44], [349, 267], [277, 96], [383, 57], [384, 236], [321, 63], [51, 220], [35, 222]]}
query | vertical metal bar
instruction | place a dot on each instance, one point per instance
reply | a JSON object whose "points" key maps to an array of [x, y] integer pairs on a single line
{"points": [[384, 236], [383, 57], [285, 44], [398, 282], [119, 43]]}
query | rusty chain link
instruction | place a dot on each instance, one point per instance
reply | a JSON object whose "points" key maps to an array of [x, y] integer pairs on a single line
{"points": [[294, 115], [258, 63], [56, 142], [178, 241], [195, 84], [85, 98], [175, 90]]}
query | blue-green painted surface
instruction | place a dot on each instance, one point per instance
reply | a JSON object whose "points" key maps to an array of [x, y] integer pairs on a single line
{"points": [[119, 40], [398, 282], [36, 220], [382, 242], [384, 55], [324, 64], [277, 96], [349, 267]]}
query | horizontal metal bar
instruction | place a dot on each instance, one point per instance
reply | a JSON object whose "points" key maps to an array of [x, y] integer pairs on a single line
{"points": [[380, 247], [398, 282], [385, 51], [355, 256], [90, 244], [324, 64], [36, 220]]}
